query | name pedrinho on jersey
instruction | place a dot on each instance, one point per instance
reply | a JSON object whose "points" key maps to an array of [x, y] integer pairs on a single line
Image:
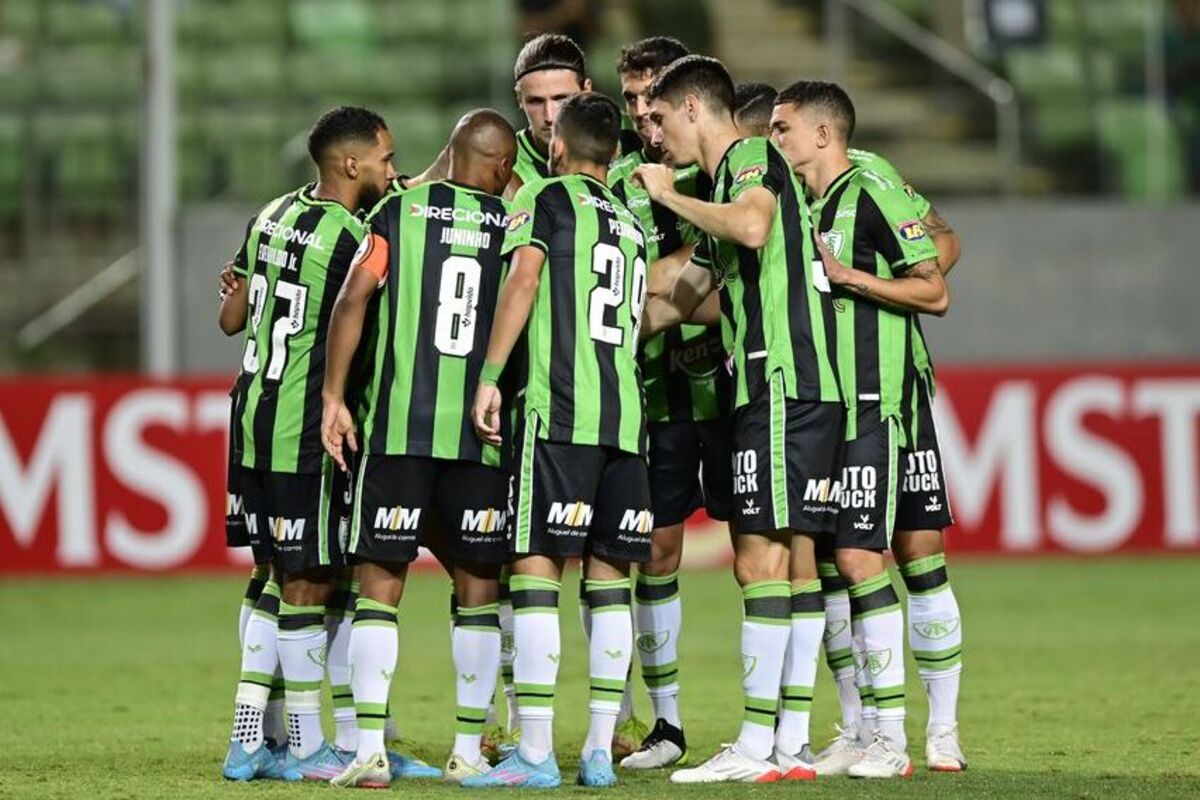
{"points": [[530, 165], [580, 375], [777, 316], [681, 367], [870, 223], [295, 257], [435, 315]]}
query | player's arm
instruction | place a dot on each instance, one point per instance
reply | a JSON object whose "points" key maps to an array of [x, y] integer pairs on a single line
{"points": [[745, 221], [944, 239], [691, 286], [235, 305], [437, 171], [662, 272], [341, 341], [512, 313], [921, 289], [514, 186]]}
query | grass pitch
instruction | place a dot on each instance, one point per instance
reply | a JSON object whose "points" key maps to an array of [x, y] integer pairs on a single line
{"points": [[1081, 681]]}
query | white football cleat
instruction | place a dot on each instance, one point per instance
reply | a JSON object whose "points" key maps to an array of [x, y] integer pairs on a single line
{"points": [[458, 768], [729, 765], [942, 751], [882, 759], [841, 754], [795, 768]]}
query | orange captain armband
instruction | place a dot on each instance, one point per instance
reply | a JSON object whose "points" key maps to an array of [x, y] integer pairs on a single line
{"points": [[372, 256]]}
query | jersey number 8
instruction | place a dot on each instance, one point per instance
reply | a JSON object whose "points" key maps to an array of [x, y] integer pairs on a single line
{"points": [[458, 297]]}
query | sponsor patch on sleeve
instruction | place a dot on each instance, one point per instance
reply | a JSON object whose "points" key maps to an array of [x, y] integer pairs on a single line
{"points": [[517, 220], [749, 174], [911, 231]]}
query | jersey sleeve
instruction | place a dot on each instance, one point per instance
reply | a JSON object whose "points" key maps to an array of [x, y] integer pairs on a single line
{"points": [[876, 163], [896, 229], [529, 220], [755, 162], [241, 262]]}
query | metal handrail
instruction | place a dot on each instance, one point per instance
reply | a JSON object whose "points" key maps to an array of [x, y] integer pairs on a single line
{"points": [[72, 305], [954, 61]]}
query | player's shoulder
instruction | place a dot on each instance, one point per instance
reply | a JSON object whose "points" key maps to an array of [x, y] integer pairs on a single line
{"points": [[529, 192], [624, 166], [870, 160]]}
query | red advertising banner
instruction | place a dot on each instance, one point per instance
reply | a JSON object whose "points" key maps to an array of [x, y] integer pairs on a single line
{"points": [[122, 473]]}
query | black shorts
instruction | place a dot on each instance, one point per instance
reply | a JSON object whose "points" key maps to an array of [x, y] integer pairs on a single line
{"points": [[399, 499], [235, 507], [924, 504], [786, 454], [298, 519], [571, 500], [868, 489], [691, 467]]}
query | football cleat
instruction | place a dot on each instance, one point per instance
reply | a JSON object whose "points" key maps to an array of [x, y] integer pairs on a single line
{"points": [[373, 774], [882, 759], [795, 768], [842, 752], [323, 764], [627, 738], [242, 766], [459, 768], [663, 747], [942, 751], [596, 770], [404, 766], [729, 765], [516, 771]]}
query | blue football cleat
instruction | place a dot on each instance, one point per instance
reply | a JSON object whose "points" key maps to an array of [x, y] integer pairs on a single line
{"points": [[403, 766], [596, 770], [326, 763], [242, 766], [515, 771]]}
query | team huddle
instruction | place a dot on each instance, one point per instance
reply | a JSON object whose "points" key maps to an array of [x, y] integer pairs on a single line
{"points": [[560, 343]]}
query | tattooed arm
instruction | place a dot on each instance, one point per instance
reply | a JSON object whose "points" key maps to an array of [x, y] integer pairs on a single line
{"points": [[944, 239], [921, 289]]}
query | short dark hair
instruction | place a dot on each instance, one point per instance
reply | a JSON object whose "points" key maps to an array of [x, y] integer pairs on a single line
{"points": [[550, 51], [828, 97], [343, 124], [702, 76], [649, 55], [752, 104], [590, 125]]}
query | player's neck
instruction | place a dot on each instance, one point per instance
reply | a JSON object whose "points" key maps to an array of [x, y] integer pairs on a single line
{"points": [[337, 191], [824, 170], [715, 143], [597, 171]]}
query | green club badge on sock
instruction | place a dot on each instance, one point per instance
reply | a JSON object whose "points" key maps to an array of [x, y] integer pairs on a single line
{"points": [[652, 641]]}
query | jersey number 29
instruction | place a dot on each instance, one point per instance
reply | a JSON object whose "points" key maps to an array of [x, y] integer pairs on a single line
{"points": [[609, 262]]}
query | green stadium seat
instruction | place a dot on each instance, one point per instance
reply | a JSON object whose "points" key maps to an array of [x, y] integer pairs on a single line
{"points": [[17, 85], [419, 134], [214, 22], [413, 21], [1129, 129], [19, 19], [345, 26], [250, 74], [88, 22], [246, 147], [1050, 81], [91, 74], [10, 167], [78, 154]]}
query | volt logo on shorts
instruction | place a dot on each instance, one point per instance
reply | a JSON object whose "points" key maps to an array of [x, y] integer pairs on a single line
{"points": [[745, 472], [921, 473], [286, 530], [637, 521], [858, 489], [397, 518], [489, 520], [573, 515]]}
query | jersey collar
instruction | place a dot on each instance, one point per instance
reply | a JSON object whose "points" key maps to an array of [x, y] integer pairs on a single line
{"points": [[838, 182], [525, 142]]}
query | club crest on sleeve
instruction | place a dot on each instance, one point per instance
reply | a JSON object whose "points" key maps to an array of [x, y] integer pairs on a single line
{"points": [[911, 231], [517, 220], [749, 173]]}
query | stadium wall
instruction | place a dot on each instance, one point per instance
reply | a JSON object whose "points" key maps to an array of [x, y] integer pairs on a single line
{"points": [[124, 474]]}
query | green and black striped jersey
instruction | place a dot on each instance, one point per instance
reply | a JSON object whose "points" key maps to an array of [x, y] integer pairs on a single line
{"points": [[876, 163], [870, 223], [681, 367], [295, 256], [530, 165], [580, 374], [440, 245], [776, 310]]}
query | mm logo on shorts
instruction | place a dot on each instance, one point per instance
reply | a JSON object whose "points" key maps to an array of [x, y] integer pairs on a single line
{"points": [[233, 504], [573, 515], [397, 518], [286, 530], [637, 521], [489, 520]]}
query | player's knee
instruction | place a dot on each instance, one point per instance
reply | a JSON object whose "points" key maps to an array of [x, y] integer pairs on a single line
{"points": [[857, 566], [910, 546], [757, 561]]}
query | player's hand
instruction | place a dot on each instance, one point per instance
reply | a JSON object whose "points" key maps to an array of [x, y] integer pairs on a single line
{"points": [[656, 179], [486, 413], [337, 425], [837, 272], [227, 281]]}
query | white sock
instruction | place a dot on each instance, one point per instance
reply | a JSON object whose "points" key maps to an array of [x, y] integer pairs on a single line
{"points": [[339, 621], [868, 721], [839, 653], [535, 667], [766, 629], [275, 720], [302, 654], [507, 652], [658, 616], [874, 602], [373, 651], [260, 659], [610, 651], [935, 635], [476, 650], [800, 667]]}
